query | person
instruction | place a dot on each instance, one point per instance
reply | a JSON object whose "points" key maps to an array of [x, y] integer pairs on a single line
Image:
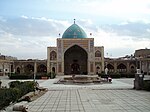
{"points": [[106, 71], [109, 79], [0, 83]]}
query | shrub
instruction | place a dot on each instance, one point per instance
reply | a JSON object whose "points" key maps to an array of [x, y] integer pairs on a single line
{"points": [[101, 74], [40, 75], [17, 90], [146, 85], [8, 95], [130, 75], [123, 74], [20, 76], [51, 75], [14, 84], [25, 87], [115, 75]]}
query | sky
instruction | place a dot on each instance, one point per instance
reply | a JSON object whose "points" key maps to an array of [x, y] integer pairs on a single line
{"points": [[28, 27]]}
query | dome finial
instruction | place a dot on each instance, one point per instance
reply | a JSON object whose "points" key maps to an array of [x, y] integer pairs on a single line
{"points": [[74, 21]]}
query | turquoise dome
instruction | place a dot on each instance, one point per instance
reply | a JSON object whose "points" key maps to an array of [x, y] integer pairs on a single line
{"points": [[74, 31]]}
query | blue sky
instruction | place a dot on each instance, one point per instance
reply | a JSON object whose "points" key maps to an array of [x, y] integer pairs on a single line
{"points": [[27, 27]]}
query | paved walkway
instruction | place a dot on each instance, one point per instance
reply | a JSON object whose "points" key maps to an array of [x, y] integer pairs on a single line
{"points": [[88, 100], [117, 96]]}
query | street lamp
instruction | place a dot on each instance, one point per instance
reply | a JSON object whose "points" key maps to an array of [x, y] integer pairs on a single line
{"points": [[106, 69], [35, 64]]}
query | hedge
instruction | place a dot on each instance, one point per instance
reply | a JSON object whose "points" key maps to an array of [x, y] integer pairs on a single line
{"points": [[112, 75], [146, 85], [31, 76], [19, 76], [118, 75], [17, 90]]}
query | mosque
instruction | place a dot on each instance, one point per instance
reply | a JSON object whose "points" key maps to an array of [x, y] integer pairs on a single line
{"points": [[75, 53]]}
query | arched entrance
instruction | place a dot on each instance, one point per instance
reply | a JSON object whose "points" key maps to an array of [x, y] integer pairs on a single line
{"points": [[75, 61], [53, 69], [18, 70]]}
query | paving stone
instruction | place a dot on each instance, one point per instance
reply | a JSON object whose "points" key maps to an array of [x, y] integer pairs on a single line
{"points": [[116, 97]]}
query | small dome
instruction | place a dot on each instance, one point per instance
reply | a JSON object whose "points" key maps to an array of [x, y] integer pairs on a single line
{"points": [[74, 31]]}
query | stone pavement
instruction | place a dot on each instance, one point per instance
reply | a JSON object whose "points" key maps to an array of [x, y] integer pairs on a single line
{"points": [[88, 100], [117, 96], [116, 84]]}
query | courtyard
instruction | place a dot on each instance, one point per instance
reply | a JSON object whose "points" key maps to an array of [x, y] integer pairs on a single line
{"points": [[118, 96]]}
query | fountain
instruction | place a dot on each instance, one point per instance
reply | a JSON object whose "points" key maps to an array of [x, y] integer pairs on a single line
{"points": [[81, 79]]}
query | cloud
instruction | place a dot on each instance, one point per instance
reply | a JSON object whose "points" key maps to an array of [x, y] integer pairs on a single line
{"points": [[119, 45], [121, 39], [148, 30], [25, 17], [138, 29], [17, 39], [117, 8], [33, 26], [29, 37], [25, 47], [2, 19]]}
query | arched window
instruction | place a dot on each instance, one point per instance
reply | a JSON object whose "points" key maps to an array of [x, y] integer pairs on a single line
{"points": [[53, 55], [18, 70], [29, 68], [122, 68], [132, 69], [97, 54], [110, 67], [42, 68]]}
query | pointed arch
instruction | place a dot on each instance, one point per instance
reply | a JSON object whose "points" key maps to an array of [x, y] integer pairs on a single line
{"points": [[122, 67], [74, 44], [29, 68], [132, 68], [75, 60], [97, 53], [42, 68], [18, 70], [53, 55], [110, 67]]}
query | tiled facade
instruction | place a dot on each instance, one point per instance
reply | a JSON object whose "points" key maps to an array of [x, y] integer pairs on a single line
{"points": [[95, 55]]}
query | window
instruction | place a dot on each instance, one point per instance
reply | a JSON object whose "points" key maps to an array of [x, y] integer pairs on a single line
{"points": [[122, 68], [53, 55], [97, 54]]}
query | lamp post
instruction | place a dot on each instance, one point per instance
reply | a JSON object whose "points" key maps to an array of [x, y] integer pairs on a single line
{"points": [[106, 69], [35, 69], [107, 58]]}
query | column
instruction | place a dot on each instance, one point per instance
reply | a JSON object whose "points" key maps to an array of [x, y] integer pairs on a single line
{"points": [[140, 66], [3, 67], [128, 67], [48, 66], [88, 67], [9, 68], [48, 59], [147, 67], [115, 67]]}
